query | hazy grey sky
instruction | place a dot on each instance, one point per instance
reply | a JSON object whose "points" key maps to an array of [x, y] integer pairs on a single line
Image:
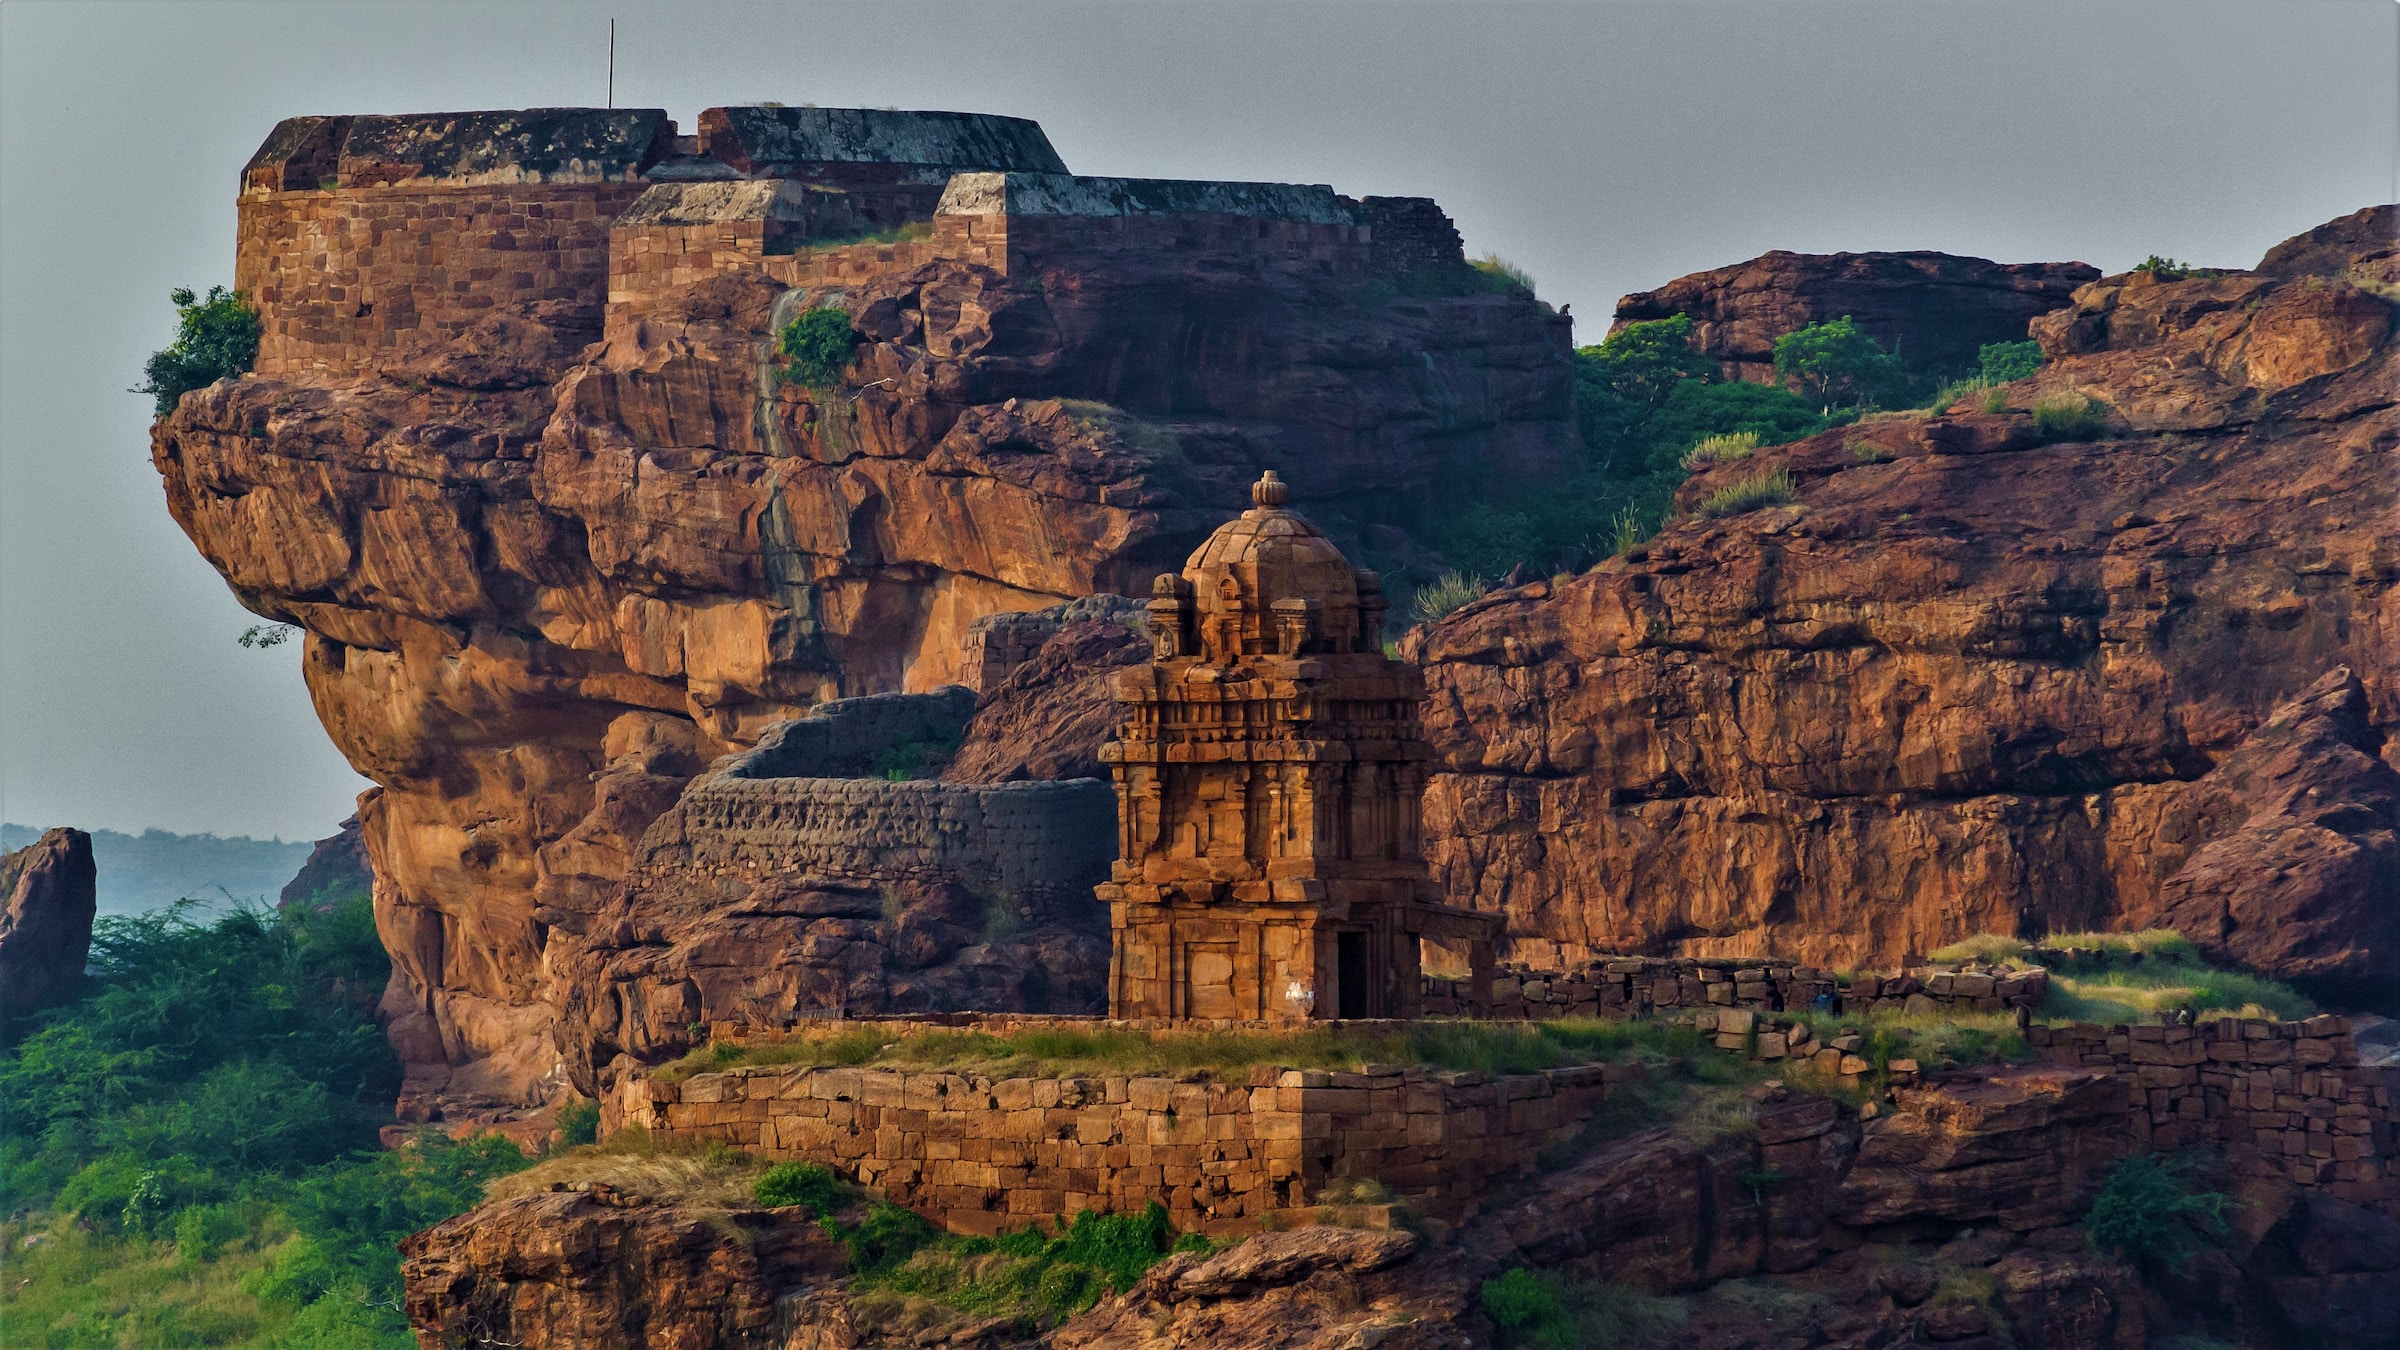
{"points": [[1606, 147]]}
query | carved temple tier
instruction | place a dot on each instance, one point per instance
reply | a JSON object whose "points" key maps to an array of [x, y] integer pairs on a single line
{"points": [[1269, 780]]}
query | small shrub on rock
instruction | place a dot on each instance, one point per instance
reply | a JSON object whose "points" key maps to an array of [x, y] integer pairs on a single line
{"points": [[1542, 1310], [1449, 593], [1500, 275], [2067, 417], [2163, 269], [2006, 362], [1768, 489], [579, 1123], [215, 337], [2148, 1210]]}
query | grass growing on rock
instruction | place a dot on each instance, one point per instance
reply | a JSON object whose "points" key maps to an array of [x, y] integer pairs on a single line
{"points": [[1768, 489], [2129, 977]]}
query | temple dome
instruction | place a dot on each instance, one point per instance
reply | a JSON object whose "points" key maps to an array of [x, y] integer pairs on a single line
{"points": [[1271, 562]]}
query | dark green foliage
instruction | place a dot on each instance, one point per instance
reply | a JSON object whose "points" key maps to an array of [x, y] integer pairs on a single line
{"points": [[579, 1123], [2163, 269], [1548, 1311], [888, 1236], [1628, 378], [2153, 1211], [214, 338], [1693, 412], [816, 346], [808, 1185], [1837, 365], [2006, 362], [224, 1084]]}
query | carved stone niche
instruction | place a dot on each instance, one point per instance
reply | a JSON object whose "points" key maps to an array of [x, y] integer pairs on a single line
{"points": [[1270, 778]]}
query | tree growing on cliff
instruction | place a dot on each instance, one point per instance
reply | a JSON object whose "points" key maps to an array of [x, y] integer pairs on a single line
{"points": [[1838, 365], [215, 338], [816, 346]]}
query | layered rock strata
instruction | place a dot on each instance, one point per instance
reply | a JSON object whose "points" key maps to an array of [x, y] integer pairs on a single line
{"points": [[519, 458], [1984, 673], [48, 897]]}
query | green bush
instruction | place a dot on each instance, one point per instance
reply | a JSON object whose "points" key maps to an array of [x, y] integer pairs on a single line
{"points": [[579, 1123], [1449, 593], [808, 1185], [816, 347], [2148, 1209], [1838, 365], [2008, 362], [1768, 489], [215, 338], [2163, 269], [1694, 412], [2068, 417], [1500, 275]]}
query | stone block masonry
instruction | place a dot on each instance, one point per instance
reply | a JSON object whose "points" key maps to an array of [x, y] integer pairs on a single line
{"points": [[1637, 985], [981, 1155]]}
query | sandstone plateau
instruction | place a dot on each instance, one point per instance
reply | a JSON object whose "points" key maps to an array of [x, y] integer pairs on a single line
{"points": [[1976, 678]]}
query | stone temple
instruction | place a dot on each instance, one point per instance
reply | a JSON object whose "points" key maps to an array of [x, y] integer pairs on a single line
{"points": [[1269, 777]]}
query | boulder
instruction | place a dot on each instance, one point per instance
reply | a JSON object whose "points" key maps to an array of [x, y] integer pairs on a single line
{"points": [[49, 888], [337, 869]]}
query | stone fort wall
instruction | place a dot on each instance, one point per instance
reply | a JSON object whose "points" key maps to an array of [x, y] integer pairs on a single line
{"points": [[979, 1155]]}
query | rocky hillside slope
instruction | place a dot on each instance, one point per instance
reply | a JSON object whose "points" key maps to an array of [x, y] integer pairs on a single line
{"points": [[1986, 672]]}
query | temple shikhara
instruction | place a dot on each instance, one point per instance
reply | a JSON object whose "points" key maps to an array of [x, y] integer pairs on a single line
{"points": [[1269, 775]]}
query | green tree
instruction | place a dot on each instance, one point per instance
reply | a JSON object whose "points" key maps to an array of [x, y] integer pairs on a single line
{"points": [[1838, 365], [1693, 412], [1622, 382], [816, 346], [2008, 362], [215, 338]]}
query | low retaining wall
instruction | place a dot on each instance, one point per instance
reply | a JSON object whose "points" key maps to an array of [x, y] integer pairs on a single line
{"points": [[2286, 1098], [1635, 985], [979, 1155]]}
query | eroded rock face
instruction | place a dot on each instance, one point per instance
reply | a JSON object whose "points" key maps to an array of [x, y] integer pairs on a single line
{"points": [[1976, 679], [599, 1269], [50, 892], [1049, 716], [1933, 309], [337, 869], [550, 570]]}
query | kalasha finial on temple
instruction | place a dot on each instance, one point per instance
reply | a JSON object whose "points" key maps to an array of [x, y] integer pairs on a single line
{"points": [[1270, 492]]}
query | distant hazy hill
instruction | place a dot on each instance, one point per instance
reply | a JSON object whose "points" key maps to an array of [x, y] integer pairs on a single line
{"points": [[154, 868]]}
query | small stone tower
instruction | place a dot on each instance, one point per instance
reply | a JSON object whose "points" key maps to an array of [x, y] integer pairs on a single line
{"points": [[1269, 777]]}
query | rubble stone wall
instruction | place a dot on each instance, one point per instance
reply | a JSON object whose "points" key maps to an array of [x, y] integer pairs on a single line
{"points": [[979, 1155]]}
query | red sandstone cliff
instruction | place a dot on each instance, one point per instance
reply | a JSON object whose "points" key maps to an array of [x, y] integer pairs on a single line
{"points": [[1978, 679], [47, 900], [559, 536]]}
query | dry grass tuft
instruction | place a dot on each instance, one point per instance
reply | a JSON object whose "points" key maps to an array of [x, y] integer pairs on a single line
{"points": [[706, 1177]]}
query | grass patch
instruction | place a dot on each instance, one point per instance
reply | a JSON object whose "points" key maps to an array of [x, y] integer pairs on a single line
{"points": [[2129, 977], [1500, 275], [2068, 417], [1769, 489], [1448, 594], [1722, 449], [710, 1176], [1548, 1310]]}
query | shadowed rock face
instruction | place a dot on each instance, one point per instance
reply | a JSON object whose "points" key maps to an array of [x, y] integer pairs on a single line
{"points": [[49, 888], [1933, 309], [1977, 680]]}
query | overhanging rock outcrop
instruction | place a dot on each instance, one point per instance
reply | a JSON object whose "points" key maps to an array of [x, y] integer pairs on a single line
{"points": [[518, 455]]}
